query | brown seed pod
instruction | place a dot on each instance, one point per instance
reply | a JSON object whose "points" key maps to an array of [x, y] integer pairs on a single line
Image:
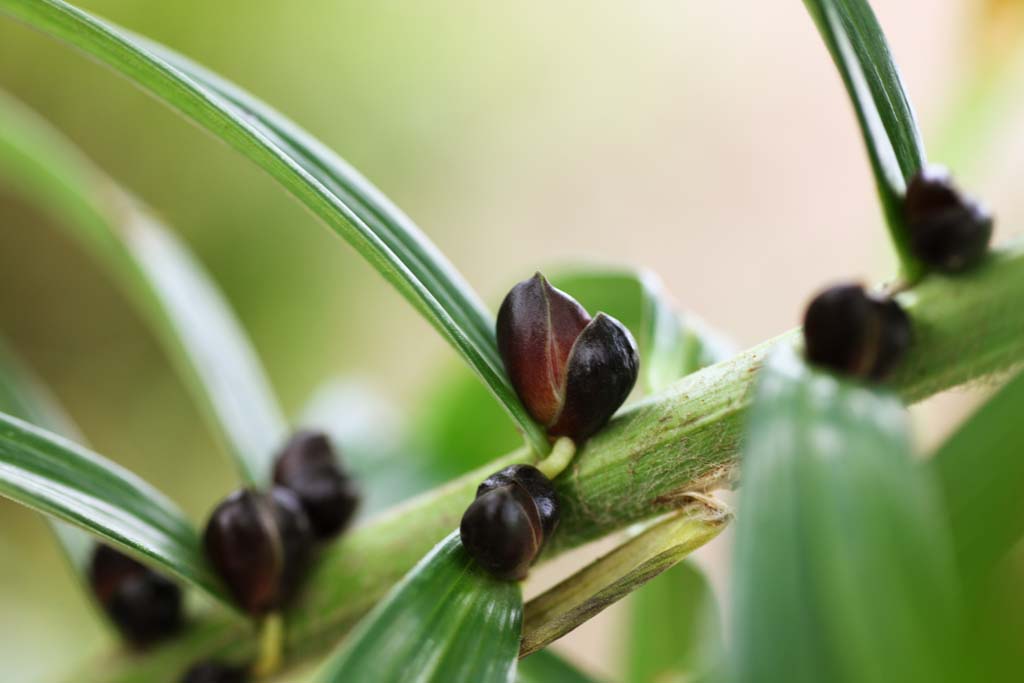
{"points": [[215, 672], [259, 543], [855, 333], [516, 510], [144, 606], [571, 371], [948, 230], [308, 467]]}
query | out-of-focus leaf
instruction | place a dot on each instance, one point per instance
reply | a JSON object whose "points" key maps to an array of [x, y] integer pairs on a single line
{"points": [[24, 396], [547, 667], [368, 433], [981, 471], [672, 344], [448, 621], [887, 121], [331, 189], [843, 570], [674, 628], [608, 579], [61, 479], [172, 292]]}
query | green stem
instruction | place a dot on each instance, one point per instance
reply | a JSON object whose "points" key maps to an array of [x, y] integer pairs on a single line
{"points": [[643, 464], [271, 648], [561, 455]]}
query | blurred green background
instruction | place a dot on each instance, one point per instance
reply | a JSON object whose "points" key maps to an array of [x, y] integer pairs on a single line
{"points": [[709, 141]]}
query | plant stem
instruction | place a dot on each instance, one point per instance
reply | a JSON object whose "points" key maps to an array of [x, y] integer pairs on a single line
{"points": [[561, 455], [643, 464], [269, 656]]}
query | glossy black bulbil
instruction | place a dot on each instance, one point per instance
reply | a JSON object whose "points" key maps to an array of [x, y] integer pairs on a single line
{"points": [[948, 230], [144, 606], [309, 467], [259, 543], [848, 330], [516, 510], [571, 371], [215, 672]]}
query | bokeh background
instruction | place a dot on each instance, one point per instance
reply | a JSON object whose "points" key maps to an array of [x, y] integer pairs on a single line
{"points": [[709, 141]]}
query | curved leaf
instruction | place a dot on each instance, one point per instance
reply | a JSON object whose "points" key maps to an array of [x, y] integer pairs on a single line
{"points": [[981, 471], [448, 621], [547, 667], [886, 117], [190, 317], [672, 344], [59, 478], [842, 570], [345, 201], [24, 397]]}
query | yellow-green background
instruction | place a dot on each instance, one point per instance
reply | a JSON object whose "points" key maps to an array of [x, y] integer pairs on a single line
{"points": [[710, 141]]}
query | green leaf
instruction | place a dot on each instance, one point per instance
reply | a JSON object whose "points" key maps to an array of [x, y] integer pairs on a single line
{"points": [[981, 471], [887, 121], [674, 628], [580, 597], [331, 189], [843, 570], [547, 667], [24, 396], [672, 344], [170, 289], [448, 621], [61, 479]]}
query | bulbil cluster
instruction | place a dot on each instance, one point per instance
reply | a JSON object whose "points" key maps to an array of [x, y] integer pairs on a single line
{"points": [[856, 333], [571, 371], [144, 606], [261, 542], [949, 231], [515, 511]]}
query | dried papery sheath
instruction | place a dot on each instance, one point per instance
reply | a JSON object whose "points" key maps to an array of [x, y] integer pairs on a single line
{"points": [[948, 230], [855, 333], [259, 543], [309, 468], [144, 606], [571, 371], [505, 528]]}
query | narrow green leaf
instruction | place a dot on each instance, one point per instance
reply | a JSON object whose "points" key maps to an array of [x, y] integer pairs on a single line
{"points": [[345, 201], [61, 479], [448, 621], [23, 396], [674, 628], [887, 121], [170, 289], [981, 471], [547, 667], [672, 344], [843, 570], [580, 597]]}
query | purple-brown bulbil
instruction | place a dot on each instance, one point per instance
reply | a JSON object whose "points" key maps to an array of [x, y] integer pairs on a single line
{"points": [[145, 606], [853, 332], [309, 468], [948, 230], [571, 371], [259, 543], [516, 510]]}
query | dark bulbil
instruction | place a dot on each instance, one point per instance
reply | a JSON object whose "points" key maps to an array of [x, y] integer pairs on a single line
{"points": [[260, 544], [948, 230], [215, 672], [571, 371], [144, 606], [308, 467], [505, 528], [855, 333]]}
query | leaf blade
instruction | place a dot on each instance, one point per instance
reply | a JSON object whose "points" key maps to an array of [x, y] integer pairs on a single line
{"points": [[447, 621], [886, 117], [547, 667], [61, 479], [397, 250]]}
